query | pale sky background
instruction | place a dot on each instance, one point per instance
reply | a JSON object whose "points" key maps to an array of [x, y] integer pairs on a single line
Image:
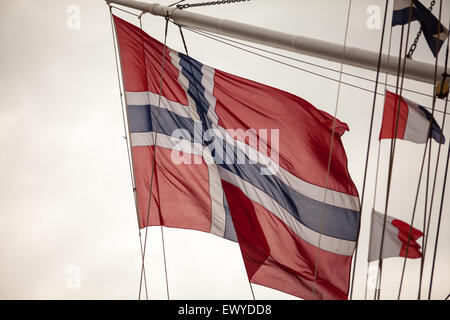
{"points": [[66, 205]]}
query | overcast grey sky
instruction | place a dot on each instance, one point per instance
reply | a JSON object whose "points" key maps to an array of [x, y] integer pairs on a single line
{"points": [[68, 227]]}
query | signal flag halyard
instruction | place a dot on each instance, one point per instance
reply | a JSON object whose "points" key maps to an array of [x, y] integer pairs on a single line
{"points": [[270, 194]]}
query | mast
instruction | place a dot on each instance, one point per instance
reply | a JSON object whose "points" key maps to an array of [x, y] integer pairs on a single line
{"points": [[357, 57]]}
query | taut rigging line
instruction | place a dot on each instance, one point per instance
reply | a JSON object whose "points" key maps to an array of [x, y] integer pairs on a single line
{"points": [[224, 40]]}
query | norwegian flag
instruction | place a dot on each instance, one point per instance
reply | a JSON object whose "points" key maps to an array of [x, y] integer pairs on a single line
{"points": [[241, 160]]}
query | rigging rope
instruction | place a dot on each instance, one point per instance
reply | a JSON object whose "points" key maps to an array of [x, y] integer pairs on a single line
{"points": [[421, 170], [380, 261], [316, 264], [422, 260], [155, 137], [211, 35], [445, 178], [369, 142], [223, 41], [125, 124], [123, 10], [171, 5], [425, 236], [413, 216], [215, 37], [436, 169], [439, 219], [393, 144], [371, 213], [378, 165]]}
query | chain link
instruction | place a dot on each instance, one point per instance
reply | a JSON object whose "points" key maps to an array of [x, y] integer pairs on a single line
{"points": [[209, 3], [414, 44]]}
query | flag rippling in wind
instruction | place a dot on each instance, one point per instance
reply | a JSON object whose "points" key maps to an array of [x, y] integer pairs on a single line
{"points": [[428, 22], [396, 235], [270, 194], [411, 124]]}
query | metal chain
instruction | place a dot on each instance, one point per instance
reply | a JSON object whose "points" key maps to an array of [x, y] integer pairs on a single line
{"points": [[209, 3], [414, 44]]}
